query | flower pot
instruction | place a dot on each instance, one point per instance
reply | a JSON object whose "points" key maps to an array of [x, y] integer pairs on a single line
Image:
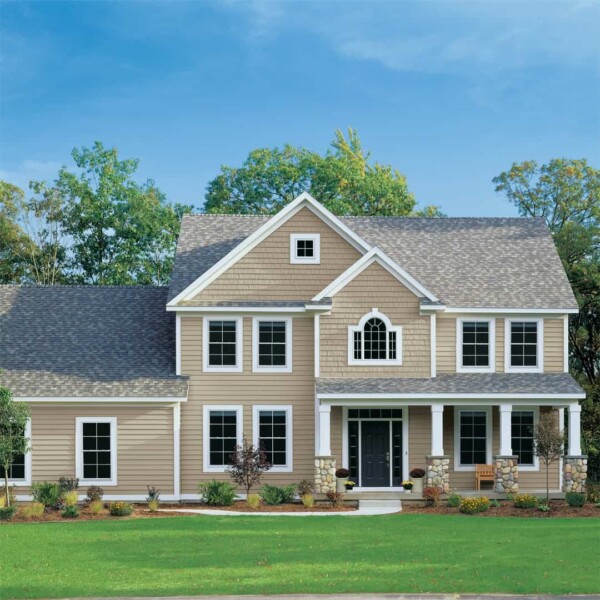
{"points": [[349, 488], [340, 484], [407, 491], [418, 485]]}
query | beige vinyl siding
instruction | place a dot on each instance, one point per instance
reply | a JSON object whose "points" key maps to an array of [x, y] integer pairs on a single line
{"points": [[337, 428], [248, 389], [419, 436], [144, 444], [375, 288], [445, 345], [500, 345], [553, 345], [265, 273]]}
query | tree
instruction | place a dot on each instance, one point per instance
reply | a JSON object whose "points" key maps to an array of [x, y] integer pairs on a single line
{"points": [[566, 193], [248, 463], [13, 443], [344, 180], [549, 443]]}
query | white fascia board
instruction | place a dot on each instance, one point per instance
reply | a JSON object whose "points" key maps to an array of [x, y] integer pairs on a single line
{"points": [[550, 398], [511, 311], [246, 310], [433, 308], [302, 201], [374, 255], [99, 399]]}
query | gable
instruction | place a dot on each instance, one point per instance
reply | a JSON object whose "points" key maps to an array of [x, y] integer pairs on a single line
{"points": [[265, 272]]}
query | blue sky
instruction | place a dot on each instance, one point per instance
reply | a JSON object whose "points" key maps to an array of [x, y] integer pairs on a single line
{"points": [[450, 93]]}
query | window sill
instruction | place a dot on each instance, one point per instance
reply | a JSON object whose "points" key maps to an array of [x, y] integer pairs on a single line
{"points": [[223, 370], [476, 369], [100, 482], [257, 369], [524, 369], [375, 363]]}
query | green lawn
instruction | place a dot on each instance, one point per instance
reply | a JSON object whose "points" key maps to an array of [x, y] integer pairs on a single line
{"points": [[268, 555]]}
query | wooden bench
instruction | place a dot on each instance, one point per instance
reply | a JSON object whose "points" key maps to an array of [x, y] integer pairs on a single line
{"points": [[483, 473]]}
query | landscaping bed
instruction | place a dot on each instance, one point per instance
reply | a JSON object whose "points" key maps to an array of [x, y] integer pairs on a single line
{"points": [[241, 506]]}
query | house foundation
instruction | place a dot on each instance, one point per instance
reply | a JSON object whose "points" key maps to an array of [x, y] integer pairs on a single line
{"points": [[575, 473], [507, 475], [325, 474], [438, 472]]}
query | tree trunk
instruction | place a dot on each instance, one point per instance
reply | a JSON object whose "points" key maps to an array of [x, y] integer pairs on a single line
{"points": [[547, 482], [6, 485]]}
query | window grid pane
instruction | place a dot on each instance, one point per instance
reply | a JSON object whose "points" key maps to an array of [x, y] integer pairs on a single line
{"points": [[522, 436], [272, 343], [272, 425], [375, 340], [305, 248], [523, 344], [222, 436], [222, 343], [357, 344], [96, 440], [476, 344], [473, 438]]}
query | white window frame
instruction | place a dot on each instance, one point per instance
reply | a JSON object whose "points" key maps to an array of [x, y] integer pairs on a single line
{"points": [[289, 336], [360, 327], [256, 409], [539, 368], [79, 421], [315, 259], [239, 345], [27, 479], [239, 418], [491, 368], [536, 418], [488, 435]]}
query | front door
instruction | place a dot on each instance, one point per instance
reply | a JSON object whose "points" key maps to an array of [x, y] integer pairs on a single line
{"points": [[375, 453]]}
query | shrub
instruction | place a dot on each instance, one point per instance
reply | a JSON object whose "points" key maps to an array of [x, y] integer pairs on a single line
{"points": [[70, 512], [120, 509], [253, 501], [68, 484], [273, 494], [470, 506], [335, 499], [33, 510], [342, 473], [576, 499], [248, 463], [306, 487], [593, 493], [454, 500], [94, 493], [47, 493], [70, 498], [417, 473], [153, 505], [217, 493], [308, 500], [153, 494], [525, 501], [7, 512], [543, 506], [96, 507], [432, 496], [494, 503], [12, 496]]}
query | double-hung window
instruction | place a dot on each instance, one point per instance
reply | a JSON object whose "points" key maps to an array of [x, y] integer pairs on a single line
{"points": [[374, 341], [272, 429], [524, 345], [305, 249], [222, 434], [19, 471], [222, 344], [472, 438], [272, 344], [475, 345], [96, 452], [522, 440]]}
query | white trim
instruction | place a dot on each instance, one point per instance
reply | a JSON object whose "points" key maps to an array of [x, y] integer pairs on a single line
{"points": [[304, 200], [352, 329], [100, 399], [239, 346], [536, 418], [324, 430], [574, 430], [505, 430], [566, 343], [378, 256], [491, 368], [289, 338], [315, 259], [239, 422], [317, 343], [488, 435], [241, 310], [177, 344], [513, 311], [539, 368], [561, 428], [176, 449], [27, 479], [550, 399], [289, 428], [437, 430], [433, 343], [112, 421]]}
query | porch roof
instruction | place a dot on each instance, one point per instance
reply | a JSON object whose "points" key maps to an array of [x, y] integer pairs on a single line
{"points": [[549, 385]]}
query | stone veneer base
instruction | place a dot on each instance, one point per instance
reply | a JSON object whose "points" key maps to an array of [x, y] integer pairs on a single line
{"points": [[438, 473], [324, 474], [507, 475], [575, 473]]}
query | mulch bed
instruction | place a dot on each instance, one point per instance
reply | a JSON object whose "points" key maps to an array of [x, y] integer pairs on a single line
{"points": [[558, 508], [279, 508]]}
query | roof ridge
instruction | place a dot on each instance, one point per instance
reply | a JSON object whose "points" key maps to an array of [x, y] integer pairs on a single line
{"points": [[83, 285]]}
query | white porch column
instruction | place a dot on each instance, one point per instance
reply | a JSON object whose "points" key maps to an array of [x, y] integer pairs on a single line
{"points": [[324, 430], [505, 430], [574, 430], [437, 429]]}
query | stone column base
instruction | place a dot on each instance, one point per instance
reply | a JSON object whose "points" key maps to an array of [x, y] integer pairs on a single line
{"points": [[438, 473], [507, 475], [574, 473], [324, 474]]}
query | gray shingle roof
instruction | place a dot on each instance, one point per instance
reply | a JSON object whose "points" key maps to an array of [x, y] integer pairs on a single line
{"points": [[460, 383], [88, 341], [465, 262]]}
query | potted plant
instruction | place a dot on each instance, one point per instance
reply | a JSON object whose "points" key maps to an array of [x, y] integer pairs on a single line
{"points": [[342, 475], [407, 485], [416, 476], [349, 485]]}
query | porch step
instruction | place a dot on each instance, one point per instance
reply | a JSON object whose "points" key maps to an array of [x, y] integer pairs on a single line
{"points": [[387, 505]]}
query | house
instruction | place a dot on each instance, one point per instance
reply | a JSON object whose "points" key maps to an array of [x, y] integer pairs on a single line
{"points": [[376, 343]]}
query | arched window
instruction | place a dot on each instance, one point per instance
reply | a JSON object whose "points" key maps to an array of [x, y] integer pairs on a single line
{"points": [[374, 341]]}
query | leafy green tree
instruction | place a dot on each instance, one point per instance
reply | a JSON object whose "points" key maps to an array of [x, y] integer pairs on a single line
{"points": [[566, 193], [13, 443], [344, 180]]}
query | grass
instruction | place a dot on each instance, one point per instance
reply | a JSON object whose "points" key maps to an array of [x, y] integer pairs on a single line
{"points": [[268, 555]]}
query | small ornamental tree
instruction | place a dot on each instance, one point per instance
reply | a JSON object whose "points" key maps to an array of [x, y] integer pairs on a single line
{"points": [[13, 443], [549, 443], [248, 463]]}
